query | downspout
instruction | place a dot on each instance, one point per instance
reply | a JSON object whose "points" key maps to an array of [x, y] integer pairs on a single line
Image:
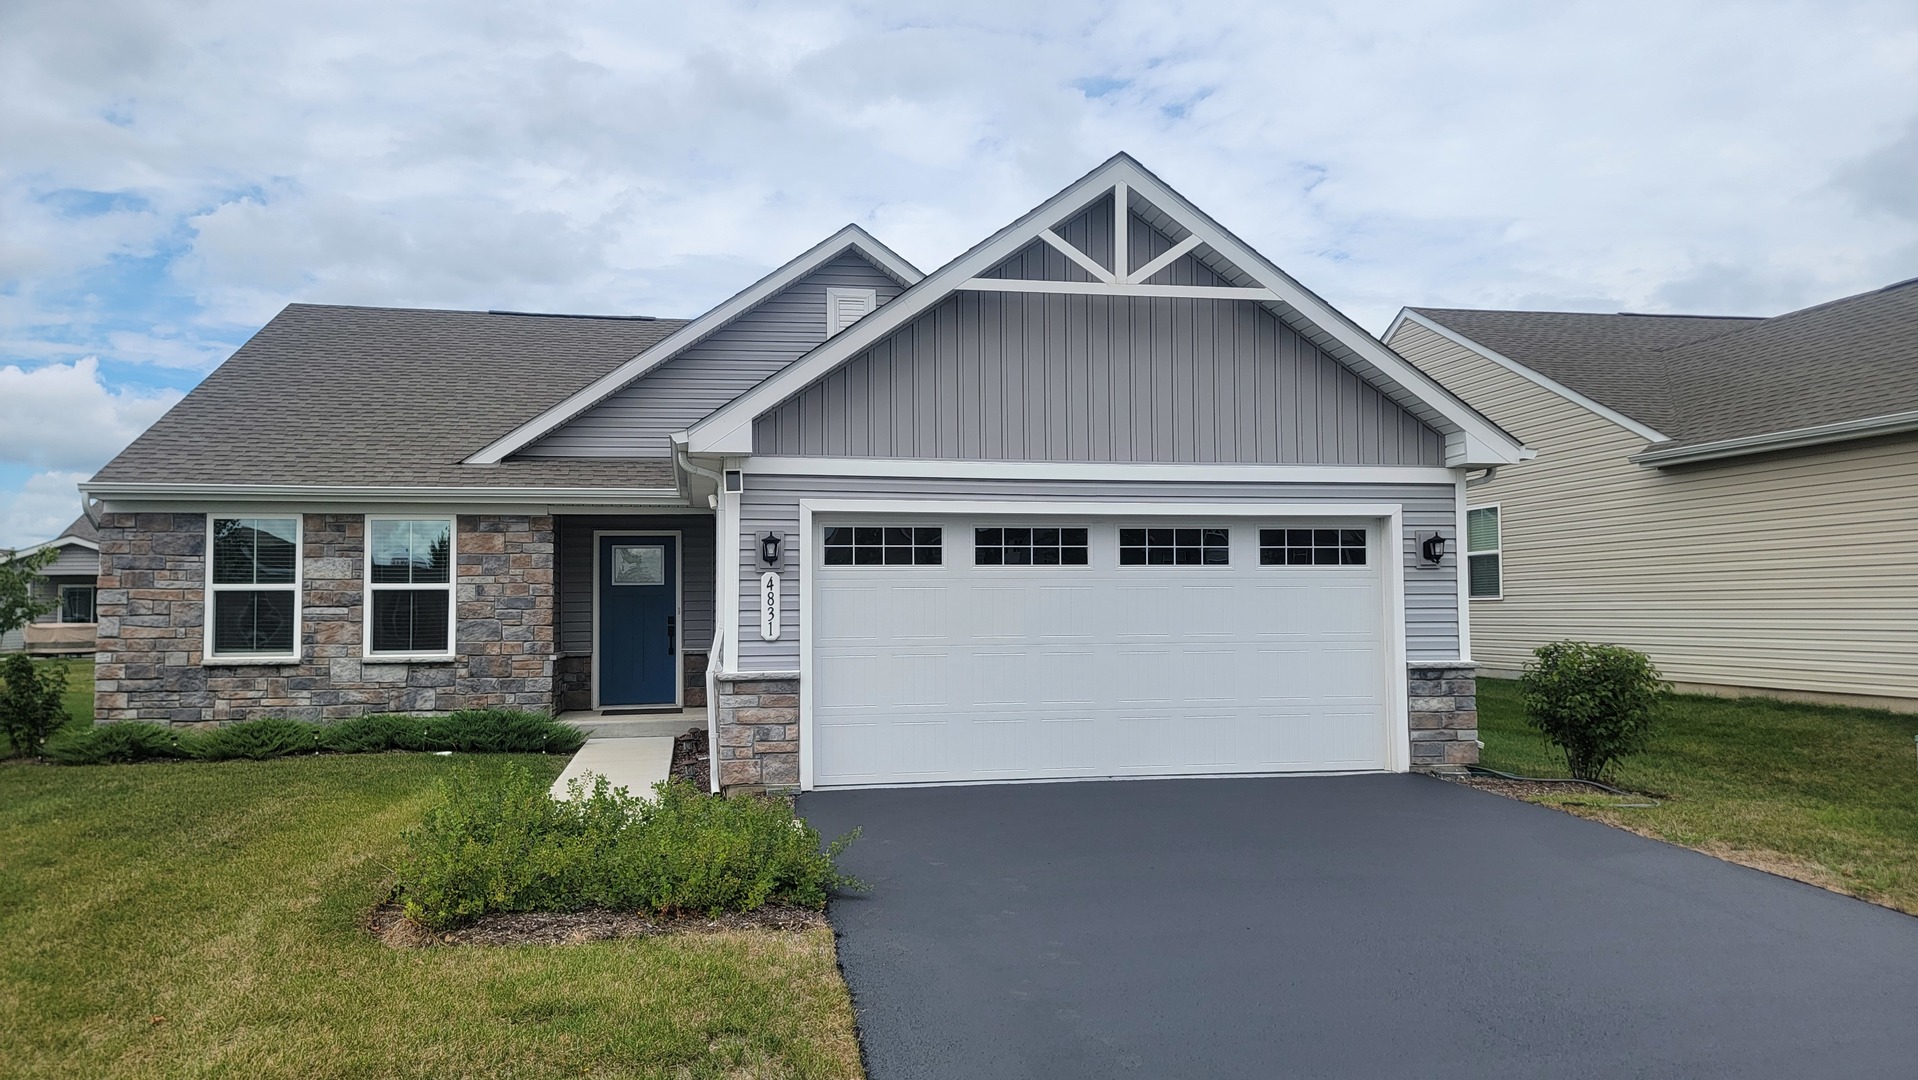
{"points": [[719, 628], [1482, 478]]}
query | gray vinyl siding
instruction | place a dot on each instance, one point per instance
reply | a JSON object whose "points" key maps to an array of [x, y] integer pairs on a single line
{"points": [[75, 566], [74, 561], [639, 420], [772, 503], [1047, 377], [1091, 232], [696, 562]]}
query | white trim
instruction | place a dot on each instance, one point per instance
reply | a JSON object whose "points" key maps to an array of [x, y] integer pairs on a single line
{"points": [[1391, 542], [1841, 431], [869, 299], [1463, 571], [1166, 258], [679, 618], [850, 238], [60, 600], [1465, 544], [56, 542], [278, 493], [450, 586], [774, 465], [1643, 431], [210, 588], [1471, 440], [1100, 288], [1121, 231], [727, 551], [1086, 262]]}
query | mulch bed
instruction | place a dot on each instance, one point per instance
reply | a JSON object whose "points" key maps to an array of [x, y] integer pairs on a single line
{"points": [[692, 758], [393, 928]]}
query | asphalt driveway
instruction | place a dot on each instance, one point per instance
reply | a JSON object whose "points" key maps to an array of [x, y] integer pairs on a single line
{"points": [[1367, 926]]}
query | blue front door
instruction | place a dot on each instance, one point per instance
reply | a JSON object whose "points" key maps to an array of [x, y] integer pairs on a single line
{"points": [[638, 620]]}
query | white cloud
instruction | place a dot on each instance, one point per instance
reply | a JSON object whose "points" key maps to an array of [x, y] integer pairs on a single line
{"points": [[61, 416], [43, 506]]}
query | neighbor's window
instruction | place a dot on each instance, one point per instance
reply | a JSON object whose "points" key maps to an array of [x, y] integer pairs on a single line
{"points": [[254, 588], [409, 586], [1175, 547], [76, 603], [888, 545], [1311, 547], [1029, 547], [1482, 544]]}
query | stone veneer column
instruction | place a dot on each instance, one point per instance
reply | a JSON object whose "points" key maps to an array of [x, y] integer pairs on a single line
{"points": [[758, 730], [1444, 714]]}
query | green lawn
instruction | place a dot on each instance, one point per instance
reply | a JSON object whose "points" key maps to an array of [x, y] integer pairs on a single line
{"points": [[193, 919], [1823, 794]]}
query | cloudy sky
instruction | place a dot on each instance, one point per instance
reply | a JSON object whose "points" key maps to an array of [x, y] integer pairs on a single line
{"points": [[172, 174]]}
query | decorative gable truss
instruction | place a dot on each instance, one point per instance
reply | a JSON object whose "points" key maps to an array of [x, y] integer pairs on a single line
{"points": [[1122, 232]]}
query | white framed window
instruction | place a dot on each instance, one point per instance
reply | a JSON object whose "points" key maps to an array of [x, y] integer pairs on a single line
{"points": [[253, 588], [847, 306], [76, 603], [1176, 546], [1484, 566], [883, 545], [1024, 545], [1312, 547], [409, 587]]}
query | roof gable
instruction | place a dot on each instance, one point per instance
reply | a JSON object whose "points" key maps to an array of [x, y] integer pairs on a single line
{"points": [[852, 238], [1134, 195]]}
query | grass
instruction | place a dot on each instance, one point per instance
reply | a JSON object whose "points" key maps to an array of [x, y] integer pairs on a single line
{"points": [[189, 920], [1820, 793]]}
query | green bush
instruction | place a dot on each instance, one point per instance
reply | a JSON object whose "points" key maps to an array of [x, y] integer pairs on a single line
{"points": [[1597, 703], [479, 731], [30, 702], [504, 844]]}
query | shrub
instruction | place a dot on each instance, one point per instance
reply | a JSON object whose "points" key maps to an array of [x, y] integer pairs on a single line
{"points": [[504, 844], [1597, 703], [30, 706], [116, 744], [255, 740]]}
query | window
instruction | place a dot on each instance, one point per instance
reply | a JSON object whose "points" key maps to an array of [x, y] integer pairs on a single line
{"points": [[1311, 547], [889, 545], [847, 306], [409, 586], [1482, 548], [1029, 547], [1174, 547], [253, 587], [76, 603]]}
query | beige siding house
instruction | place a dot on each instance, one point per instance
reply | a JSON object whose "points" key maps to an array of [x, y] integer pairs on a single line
{"points": [[1771, 553]]}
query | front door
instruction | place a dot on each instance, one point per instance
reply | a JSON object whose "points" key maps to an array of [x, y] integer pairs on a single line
{"points": [[637, 655]]}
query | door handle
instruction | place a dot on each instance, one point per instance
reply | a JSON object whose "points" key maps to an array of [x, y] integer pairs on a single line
{"points": [[672, 630]]}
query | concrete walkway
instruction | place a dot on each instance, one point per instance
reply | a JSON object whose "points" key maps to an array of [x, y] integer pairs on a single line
{"points": [[632, 763]]}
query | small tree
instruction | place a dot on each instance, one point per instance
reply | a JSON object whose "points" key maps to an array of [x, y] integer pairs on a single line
{"points": [[30, 705], [1597, 703], [17, 575]]}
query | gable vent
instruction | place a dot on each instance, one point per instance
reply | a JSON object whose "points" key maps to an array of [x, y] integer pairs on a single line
{"points": [[847, 306]]}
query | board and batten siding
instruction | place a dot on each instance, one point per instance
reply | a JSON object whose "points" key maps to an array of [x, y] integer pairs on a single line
{"points": [[639, 420], [1790, 572], [771, 502], [1047, 377], [697, 604]]}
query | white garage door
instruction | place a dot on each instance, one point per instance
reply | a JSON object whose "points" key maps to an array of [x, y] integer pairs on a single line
{"points": [[955, 649]]}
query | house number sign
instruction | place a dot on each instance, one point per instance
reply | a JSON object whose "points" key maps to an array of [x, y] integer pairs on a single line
{"points": [[769, 606]]}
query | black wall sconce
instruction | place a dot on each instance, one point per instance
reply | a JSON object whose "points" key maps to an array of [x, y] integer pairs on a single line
{"points": [[1431, 547], [771, 549]]}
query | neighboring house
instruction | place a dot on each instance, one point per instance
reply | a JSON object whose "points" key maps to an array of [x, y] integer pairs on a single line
{"points": [[1107, 495], [1736, 497], [66, 586]]}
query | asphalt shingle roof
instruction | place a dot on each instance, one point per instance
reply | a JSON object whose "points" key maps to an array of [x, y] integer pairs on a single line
{"points": [[327, 394], [1703, 379], [81, 529]]}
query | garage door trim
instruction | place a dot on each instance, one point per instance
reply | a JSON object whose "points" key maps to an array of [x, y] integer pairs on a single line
{"points": [[1389, 515]]}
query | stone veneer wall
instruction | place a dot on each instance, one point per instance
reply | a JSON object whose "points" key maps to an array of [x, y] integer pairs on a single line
{"points": [[1444, 714], [758, 730], [152, 619], [573, 681]]}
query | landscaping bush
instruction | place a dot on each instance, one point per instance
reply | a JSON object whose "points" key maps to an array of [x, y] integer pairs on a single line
{"points": [[504, 844], [480, 731], [30, 705], [1597, 703]]}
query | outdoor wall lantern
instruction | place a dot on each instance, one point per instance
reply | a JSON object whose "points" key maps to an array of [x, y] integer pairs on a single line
{"points": [[770, 544], [1431, 548]]}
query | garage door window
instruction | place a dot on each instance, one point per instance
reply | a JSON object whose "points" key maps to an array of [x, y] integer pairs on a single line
{"points": [[1029, 547], [1175, 547], [1311, 547], [887, 545]]}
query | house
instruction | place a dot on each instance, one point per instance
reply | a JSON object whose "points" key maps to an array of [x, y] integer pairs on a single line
{"points": [[66, 586], [1108, 494], [1737, 498]]}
